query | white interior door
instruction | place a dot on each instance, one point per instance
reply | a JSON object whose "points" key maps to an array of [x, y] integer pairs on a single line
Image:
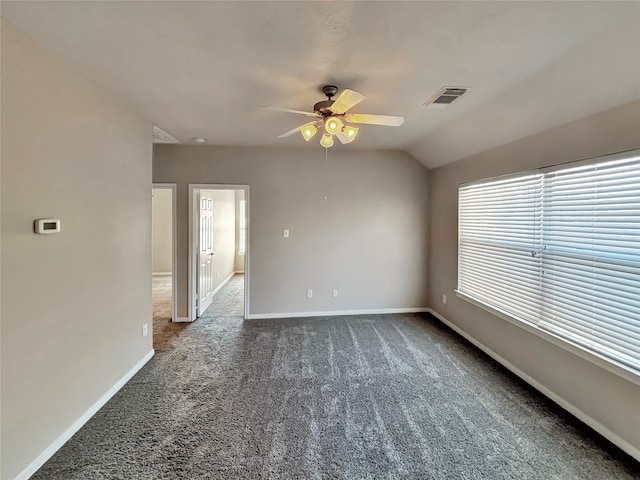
{"points": [[205, 254]]}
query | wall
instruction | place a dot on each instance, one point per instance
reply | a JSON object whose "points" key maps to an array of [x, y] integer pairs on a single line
{"points": [[239, 262], [605, 397], [162, 235], [368, 239], [73, 303], [224, 234]]}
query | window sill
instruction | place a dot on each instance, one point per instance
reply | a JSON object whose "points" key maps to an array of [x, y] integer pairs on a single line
{"points": [[624, 371]]}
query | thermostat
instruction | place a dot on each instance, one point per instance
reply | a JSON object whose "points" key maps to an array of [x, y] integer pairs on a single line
{"points": [[47, 225]]}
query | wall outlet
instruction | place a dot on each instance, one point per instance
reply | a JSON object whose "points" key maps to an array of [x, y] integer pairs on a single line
{"points": [[217, 273], [145, 330], [309, 293], [335, 293], [444, 299], [285, 233]]}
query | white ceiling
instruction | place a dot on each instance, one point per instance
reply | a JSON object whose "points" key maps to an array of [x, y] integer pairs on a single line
{"points": [[202, 69]]}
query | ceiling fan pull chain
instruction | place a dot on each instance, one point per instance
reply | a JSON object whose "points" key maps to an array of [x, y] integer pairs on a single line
{"points": [[326, 168]]}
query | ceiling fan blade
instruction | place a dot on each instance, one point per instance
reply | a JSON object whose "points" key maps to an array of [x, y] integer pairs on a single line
{"points": [[294, 130], [290, 132], [387, 120], [300, 112], [346, 100], [343, 138]]}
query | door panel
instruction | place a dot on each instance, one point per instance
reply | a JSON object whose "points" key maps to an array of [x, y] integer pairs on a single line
{"points": [[205, 254]]}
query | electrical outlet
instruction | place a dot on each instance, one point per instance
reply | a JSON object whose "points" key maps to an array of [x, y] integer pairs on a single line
{"points": [[309, 293], [217, 273], [285, 233], [145, 330], [444, 299], [335, 293]]}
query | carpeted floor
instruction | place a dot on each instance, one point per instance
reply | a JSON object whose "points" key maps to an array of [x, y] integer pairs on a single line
{"points": [[164, 330], [366, 397]]}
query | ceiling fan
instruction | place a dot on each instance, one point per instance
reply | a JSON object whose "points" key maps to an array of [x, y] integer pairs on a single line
{"points": [[333, 117]]}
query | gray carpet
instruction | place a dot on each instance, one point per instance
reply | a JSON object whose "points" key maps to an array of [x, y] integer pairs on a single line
{"points": [[164, 330], [366, 397]]}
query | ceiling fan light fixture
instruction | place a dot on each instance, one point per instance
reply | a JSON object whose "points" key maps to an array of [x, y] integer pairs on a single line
{"points": [[332, 125], [326, 141], [350, 131], [331, 115], [308, 131]]}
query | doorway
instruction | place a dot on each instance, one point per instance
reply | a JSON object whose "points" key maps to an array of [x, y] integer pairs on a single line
{"points": [[218, 250], [163, 263]]}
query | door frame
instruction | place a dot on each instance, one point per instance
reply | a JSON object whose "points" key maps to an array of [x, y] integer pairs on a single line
{"points": [[194, 238], [174, 243]]}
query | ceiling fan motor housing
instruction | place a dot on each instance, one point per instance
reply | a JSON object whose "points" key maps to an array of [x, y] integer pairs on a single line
{"points": [[324, 106]]}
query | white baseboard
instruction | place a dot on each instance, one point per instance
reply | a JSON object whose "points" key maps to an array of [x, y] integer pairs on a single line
{"points": [[182, 320], [161, 274], [333, 313], [84, 418], [569, 407], [239, 271]]}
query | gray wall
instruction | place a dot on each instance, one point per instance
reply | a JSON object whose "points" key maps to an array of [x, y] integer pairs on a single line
{"points": [[368, 239], [73, 303], [605, 397], [162, 230]]}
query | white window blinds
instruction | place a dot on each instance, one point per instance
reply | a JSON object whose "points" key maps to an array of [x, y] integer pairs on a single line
{"points": [[560, 250], [499, 231]]}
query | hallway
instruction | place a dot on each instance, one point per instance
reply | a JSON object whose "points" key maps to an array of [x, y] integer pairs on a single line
{"points": [[229, 301]]}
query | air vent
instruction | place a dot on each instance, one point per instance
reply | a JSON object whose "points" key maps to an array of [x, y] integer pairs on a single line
{"points": [[445, 97], [160, 136]]}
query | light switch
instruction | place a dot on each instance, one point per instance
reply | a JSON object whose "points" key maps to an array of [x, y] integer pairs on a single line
{"points": [[286, 233], [46, 225]]}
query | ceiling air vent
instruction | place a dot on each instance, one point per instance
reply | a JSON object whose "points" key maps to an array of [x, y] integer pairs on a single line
{"points": [[160, 136], [445, 97]]}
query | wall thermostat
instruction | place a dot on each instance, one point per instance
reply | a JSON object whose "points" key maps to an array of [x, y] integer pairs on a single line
{"points": [[47, 225]]}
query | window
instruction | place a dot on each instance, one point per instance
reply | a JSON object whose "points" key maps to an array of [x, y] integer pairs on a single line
{"points": [[242, 227], [559, 250]]}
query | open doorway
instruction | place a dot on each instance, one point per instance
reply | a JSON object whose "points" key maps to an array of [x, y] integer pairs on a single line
{"points": [[163, 263], [219, 253]]}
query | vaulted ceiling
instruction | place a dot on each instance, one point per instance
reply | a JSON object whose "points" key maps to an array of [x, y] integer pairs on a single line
{"points": [[202, 69]]}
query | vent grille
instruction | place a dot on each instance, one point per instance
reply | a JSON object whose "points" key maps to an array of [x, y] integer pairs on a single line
{"points": [[160, 136], [445, 97]]}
